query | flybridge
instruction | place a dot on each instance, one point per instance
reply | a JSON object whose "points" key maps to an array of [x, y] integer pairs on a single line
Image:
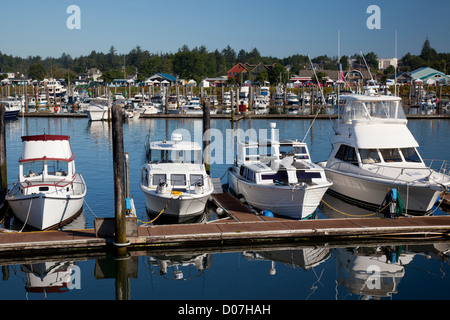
{"points": [[46, 147]]}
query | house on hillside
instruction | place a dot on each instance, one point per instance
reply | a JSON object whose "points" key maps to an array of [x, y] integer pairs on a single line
{"points": [[92, 73], [253, 69], [237, 70]]}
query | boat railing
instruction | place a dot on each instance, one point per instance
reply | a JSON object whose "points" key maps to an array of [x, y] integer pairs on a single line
{"points": [[188, 185], [438, 165], [379, 171], [57, 185]]}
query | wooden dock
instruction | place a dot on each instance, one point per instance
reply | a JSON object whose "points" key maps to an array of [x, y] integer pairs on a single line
{"points": [[240, 227]]}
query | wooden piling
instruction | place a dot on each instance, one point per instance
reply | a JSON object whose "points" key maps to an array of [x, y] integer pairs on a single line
{"points": [[3, 168], [119, 176], [206, 136]]}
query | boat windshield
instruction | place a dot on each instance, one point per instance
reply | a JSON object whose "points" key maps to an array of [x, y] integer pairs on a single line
{"points": [[369, 110], [175, 156], [37, 168]]}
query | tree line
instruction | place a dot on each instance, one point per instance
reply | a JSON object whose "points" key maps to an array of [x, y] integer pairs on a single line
{"points": [[197, 63]]}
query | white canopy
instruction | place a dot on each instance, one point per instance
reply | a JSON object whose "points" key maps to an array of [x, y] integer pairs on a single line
{"points": [[46, 147], [383, 135]]}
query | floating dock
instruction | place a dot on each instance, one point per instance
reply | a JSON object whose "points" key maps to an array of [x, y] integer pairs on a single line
{"points": [[239, 227]]}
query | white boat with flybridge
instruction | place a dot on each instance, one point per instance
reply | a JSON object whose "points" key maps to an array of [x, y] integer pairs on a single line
{"points": [[50, 192], [374, 153], [278, 176], [174, 180]]}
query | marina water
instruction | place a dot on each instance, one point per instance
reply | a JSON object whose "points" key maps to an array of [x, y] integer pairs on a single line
{"points": [[385, 269]]}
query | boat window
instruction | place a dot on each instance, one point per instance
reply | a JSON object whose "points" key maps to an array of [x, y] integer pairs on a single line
{"points": [[145, 177], [372, 109], [369, 156], [410, 155], [33, 169], [307, 176], [178, 179], [301, 153], [57, 168], [280, 176], [250, 175], [242, 171], [196, 178], [347, 153], [391, 155], [175, 156], [158, 178]]}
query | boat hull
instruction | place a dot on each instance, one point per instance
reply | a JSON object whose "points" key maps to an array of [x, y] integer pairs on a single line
{"points": [[287, 201], [175, 205], [44, 212], [418, 199], [11, 115], [97, 115]]}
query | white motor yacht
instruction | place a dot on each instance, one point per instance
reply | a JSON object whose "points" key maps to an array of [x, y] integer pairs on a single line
{"points": [[174, 181], [50, 192], [374, 152]]}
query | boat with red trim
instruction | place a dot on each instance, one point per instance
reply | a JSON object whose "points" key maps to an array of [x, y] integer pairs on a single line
{"points": [[50, 192]]}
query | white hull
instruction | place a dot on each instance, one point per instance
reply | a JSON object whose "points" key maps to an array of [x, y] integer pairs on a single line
{"points": [[44, 212], [289, 201], [184, 206], [371, 192], [97, 114]]}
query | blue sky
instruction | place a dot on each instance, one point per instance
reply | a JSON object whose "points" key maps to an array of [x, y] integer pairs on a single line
{"points": [[277, 28]]}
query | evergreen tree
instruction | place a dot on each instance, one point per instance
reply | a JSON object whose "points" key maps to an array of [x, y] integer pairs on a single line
{"points": [[428, 53]]}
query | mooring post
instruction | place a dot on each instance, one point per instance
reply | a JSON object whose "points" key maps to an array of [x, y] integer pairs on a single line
{"points": [[119, 179], [206, 136], [3, 169]]}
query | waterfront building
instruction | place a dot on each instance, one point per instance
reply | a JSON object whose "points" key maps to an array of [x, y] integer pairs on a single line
{"points": [[429, 76]]}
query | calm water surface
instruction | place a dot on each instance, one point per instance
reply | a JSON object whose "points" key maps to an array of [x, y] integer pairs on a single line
{"points": [[406, 269]]}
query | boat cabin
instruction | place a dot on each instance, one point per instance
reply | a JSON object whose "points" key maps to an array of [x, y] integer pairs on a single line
{"points": [[364, 156], [175, 163], [284, 162], [372, 131], [46, 157]]}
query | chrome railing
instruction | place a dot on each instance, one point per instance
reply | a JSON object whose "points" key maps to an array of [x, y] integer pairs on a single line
{"points": [[396, 173]]}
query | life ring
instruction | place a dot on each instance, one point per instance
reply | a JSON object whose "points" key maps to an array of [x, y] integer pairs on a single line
{"points": [[56, 109]]}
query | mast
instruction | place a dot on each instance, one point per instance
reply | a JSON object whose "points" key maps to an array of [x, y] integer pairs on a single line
{"points": [[395, 68]]}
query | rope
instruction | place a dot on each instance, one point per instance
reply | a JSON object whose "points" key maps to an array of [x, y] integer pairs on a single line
{"points": [[164, 208], [84, 200], [28, 214]]}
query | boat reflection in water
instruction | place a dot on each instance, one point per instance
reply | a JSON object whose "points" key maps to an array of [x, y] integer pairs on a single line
{"points": [[333, 272], [296, 258], [376, 272], [48, 277], [182, 266], [373, 272]]}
